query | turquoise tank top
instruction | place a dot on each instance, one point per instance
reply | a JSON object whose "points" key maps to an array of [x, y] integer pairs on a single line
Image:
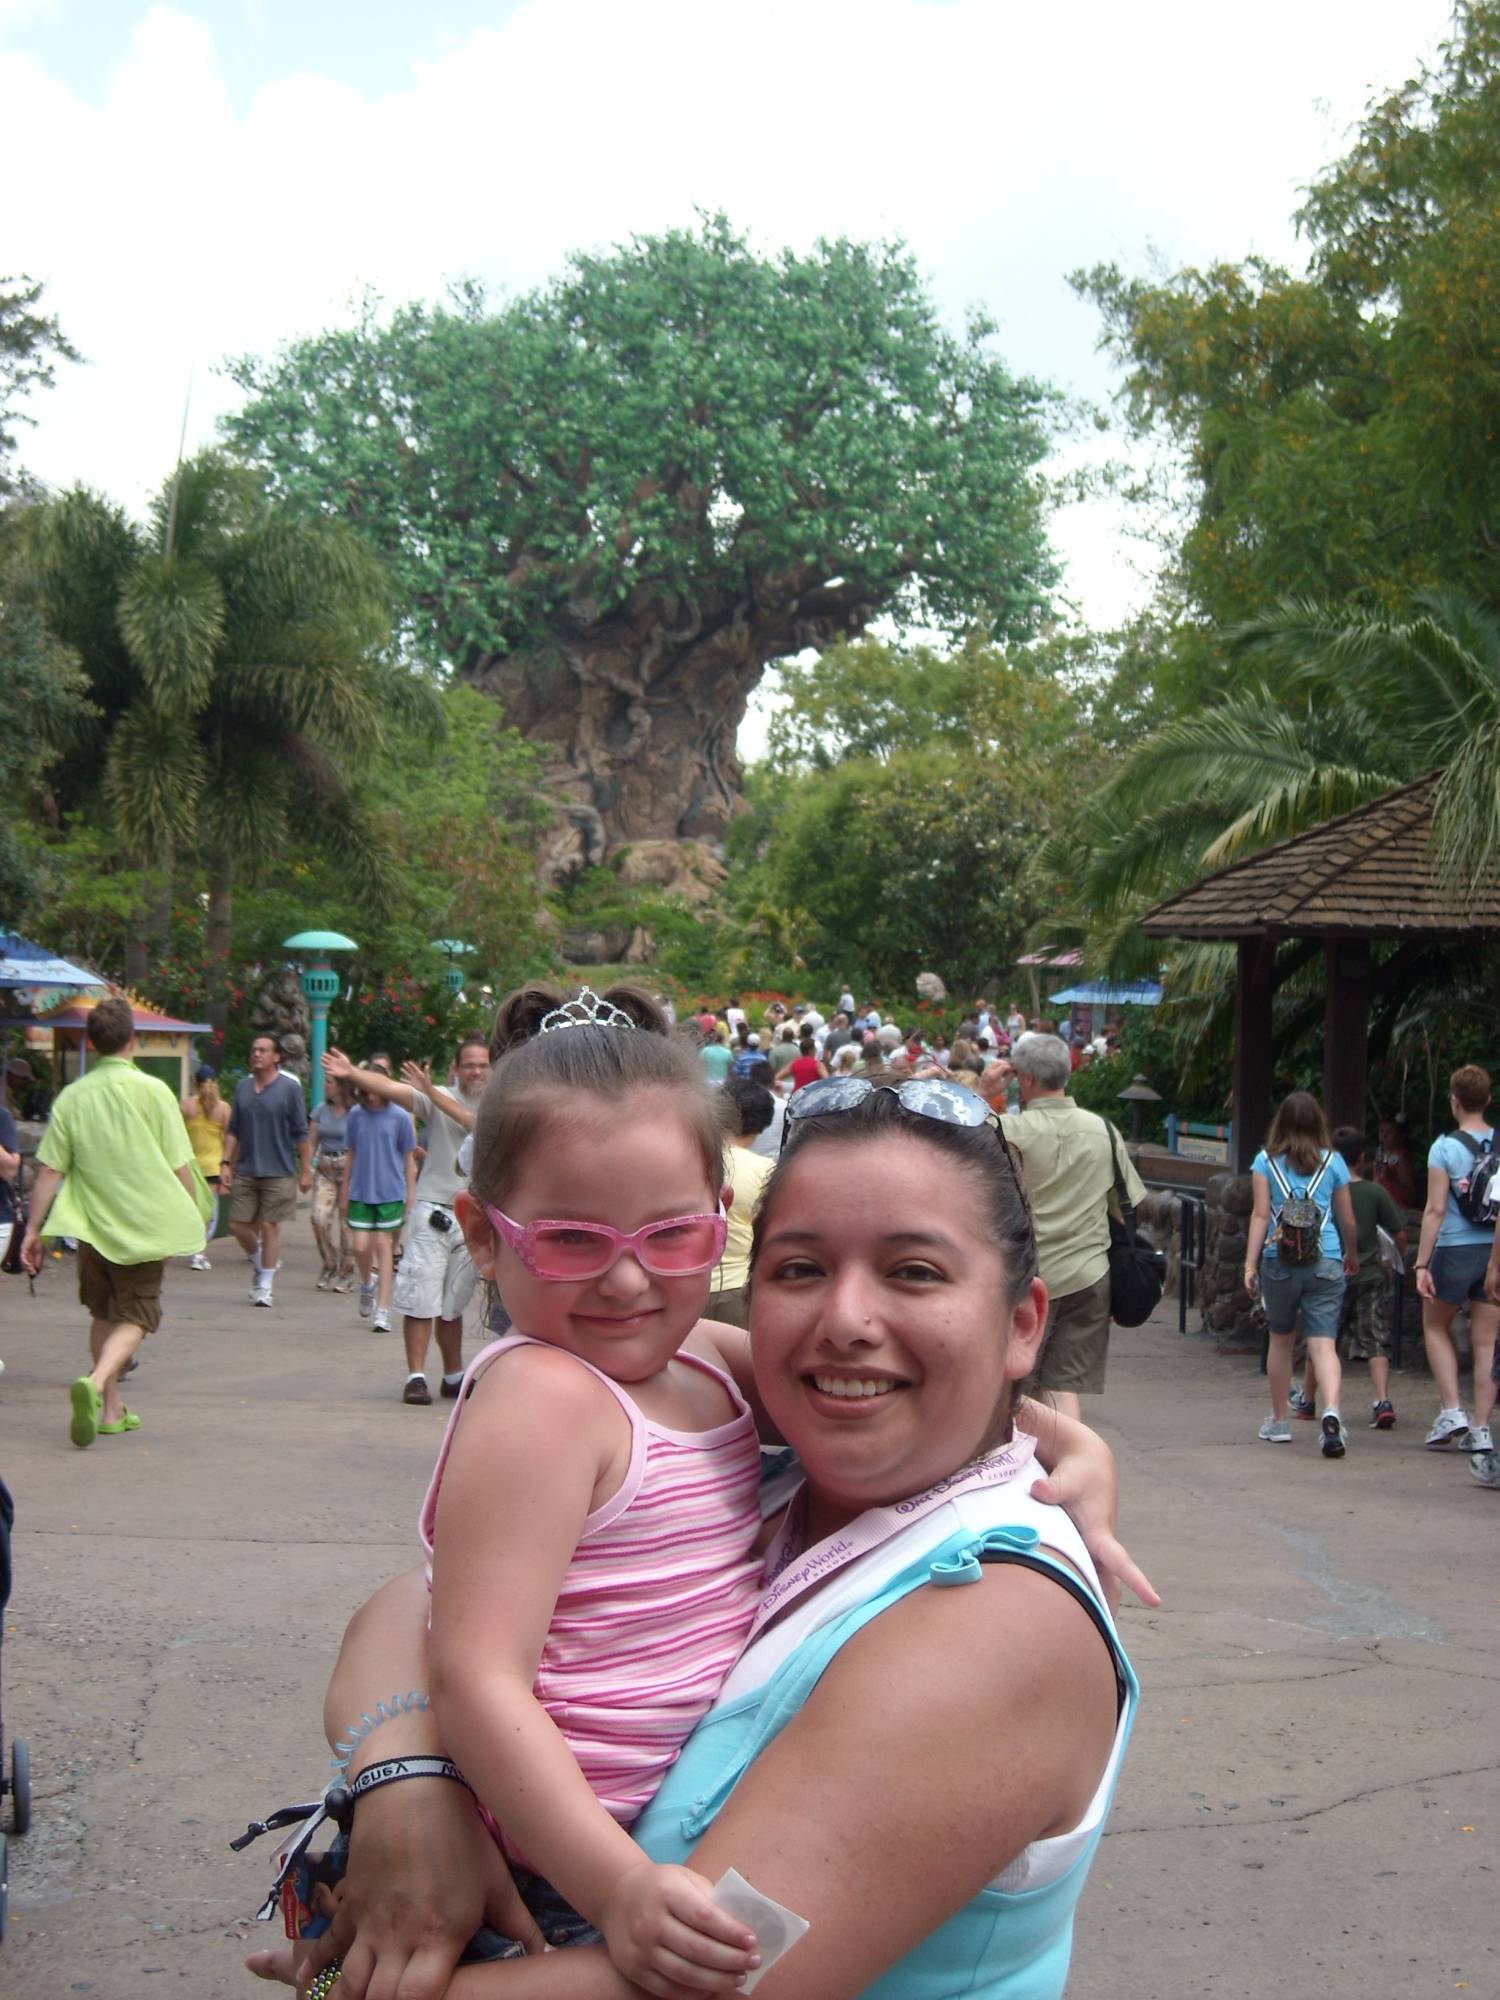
{"points": [[1000, 1945]]}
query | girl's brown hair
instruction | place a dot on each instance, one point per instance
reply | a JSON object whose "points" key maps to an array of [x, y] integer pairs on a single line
{"points": [[1299, 1130], [538, 1076], [208, 1096]]}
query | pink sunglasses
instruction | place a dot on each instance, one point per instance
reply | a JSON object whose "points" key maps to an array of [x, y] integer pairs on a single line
{"points": [[560, 1251]]}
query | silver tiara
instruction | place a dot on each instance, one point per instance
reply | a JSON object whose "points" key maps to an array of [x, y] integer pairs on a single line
{"points": [[585, 1010]]}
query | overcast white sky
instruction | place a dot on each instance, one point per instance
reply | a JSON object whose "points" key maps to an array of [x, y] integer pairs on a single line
{"points": [[221, 175]]}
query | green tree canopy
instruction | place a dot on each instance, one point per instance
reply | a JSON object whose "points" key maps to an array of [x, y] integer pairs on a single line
{"points": [[872, 698], [237, 664], [1337, 430], [614, 500], [880, 870], [31, 343]]}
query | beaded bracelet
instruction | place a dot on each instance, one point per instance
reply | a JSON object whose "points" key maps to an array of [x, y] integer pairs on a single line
{"points": [[325, 1982], [400, 1704]]}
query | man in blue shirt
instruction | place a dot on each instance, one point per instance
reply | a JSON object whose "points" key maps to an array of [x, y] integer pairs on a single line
{"points": [[267, 1126]]}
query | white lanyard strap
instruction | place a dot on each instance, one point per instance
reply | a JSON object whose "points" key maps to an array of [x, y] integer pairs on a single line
{"points": [[790, 1574]]}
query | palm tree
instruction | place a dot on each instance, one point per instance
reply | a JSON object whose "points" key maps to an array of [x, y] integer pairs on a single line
{"points": [[242, 666], [1342, 704]]}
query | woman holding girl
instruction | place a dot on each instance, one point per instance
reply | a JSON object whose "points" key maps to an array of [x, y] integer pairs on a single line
{"points": [[1298, 1166], [896, 1307], [206, 1116]]}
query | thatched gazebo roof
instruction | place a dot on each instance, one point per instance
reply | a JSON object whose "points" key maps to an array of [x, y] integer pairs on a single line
{"points": [[1368, 873]]}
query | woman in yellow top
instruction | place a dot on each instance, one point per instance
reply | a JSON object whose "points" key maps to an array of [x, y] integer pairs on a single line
{"points": [[746, 1173], [206, 1116]]}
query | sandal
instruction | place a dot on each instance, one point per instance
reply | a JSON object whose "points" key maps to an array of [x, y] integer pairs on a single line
{"points": [[87, 1403], [128, 1422]]}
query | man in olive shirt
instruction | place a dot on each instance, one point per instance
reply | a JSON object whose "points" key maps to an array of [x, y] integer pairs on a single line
{"points": [[115, 1170], [1068, 1157]]}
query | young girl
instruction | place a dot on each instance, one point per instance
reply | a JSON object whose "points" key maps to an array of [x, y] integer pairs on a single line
{"points": [[593, 1520]]}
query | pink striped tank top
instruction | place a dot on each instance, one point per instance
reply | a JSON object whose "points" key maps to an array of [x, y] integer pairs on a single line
{"points": [[657, 1600]]}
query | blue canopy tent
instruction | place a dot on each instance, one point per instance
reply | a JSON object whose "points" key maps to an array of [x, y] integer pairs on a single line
{"points": [[23, 963], [1099, 993], [1091, 1002]]}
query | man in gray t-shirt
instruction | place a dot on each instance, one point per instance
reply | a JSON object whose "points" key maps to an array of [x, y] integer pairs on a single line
{"points": [[267, 1158], [437, 1277]]}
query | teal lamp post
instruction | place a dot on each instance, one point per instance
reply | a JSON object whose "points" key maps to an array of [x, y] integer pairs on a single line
{"points": [[321, 984], [453, 949]]}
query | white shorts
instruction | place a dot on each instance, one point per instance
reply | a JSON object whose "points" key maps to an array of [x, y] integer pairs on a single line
{"points": [[437, 1276]]}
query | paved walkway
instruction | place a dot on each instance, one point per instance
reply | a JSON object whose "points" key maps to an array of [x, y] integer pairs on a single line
{"points": [[1309, 1808]]}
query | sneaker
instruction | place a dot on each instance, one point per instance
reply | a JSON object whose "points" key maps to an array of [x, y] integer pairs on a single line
{"points": [[1485, 1467], [1302, 1406], [325, 1279], [451, 1385], [344, 1282], [381, 1323], [198, 1262], [416, 1390], [260, 1294], [1382, 1417], [1480, 1441], [366, 1301], [1331, 1444], [1452, 1427], [1275, 1430]]}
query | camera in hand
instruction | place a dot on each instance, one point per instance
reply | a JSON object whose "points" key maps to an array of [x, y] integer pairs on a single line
{"points": [[440, 1220]]}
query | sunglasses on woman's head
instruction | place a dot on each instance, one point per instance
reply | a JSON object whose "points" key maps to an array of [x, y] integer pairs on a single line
{"points": [[922, 1097], [570, 1251]]}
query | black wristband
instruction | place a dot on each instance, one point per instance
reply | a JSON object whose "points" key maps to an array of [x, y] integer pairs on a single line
{"points": [[343, 1798]]}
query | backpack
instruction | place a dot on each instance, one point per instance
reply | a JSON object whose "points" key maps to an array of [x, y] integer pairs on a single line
{"points": [[1477, 1195], [1298, 1233]]}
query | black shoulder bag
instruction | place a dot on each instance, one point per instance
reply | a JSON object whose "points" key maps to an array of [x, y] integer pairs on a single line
{"points": [[1137, 1272]]}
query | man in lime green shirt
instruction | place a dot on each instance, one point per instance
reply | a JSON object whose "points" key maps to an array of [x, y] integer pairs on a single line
{"points": [[115, 1170]]}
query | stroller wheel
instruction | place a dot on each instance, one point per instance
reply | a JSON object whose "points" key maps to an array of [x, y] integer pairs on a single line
{"points": [[20, 1787]]}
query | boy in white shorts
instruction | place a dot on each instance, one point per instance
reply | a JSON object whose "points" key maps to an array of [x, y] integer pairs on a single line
{"points": [[436, 1279]]}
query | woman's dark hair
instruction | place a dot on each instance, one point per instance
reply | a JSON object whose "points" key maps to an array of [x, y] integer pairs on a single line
{"points": [[752, 1102], [1299, 1130], [980, 1149], [537, 1077], [872, 1055]]}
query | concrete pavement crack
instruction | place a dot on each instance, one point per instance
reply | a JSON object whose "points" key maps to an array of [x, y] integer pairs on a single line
{"points": [[1313, 1812]]}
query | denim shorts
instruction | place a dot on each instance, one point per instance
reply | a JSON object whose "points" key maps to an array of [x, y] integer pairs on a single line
{"points": [[1313, 1291], [1458, 1271], [557, 1920]]}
